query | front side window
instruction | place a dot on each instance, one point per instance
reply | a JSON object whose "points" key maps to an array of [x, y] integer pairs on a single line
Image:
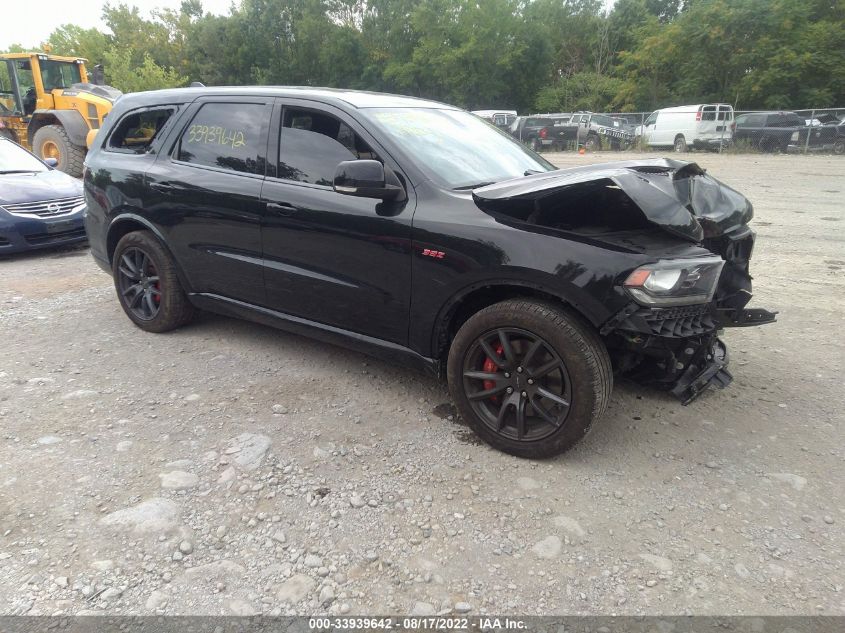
{"points": [[455, 148], [8, 100], [59, 74], [312, 144], [225, 135], [136, 131], [652, 119]]}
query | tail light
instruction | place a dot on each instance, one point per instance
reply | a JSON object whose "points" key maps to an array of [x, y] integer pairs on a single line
{"points": [[543, 133], [698, 116]]}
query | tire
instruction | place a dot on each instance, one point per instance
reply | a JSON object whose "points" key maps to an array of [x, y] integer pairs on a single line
{"points": [[768, 145], [536, 145], [70, 156], [167, 306], [681, 144], [839, 146], [583, 377], [592, 143], [8, 134]]}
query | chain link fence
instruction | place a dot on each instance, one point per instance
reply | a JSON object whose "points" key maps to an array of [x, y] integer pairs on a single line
{"points": [[713, 127]]}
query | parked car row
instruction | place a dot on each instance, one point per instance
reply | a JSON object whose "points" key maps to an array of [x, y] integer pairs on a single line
{"points": [[707, 126]]}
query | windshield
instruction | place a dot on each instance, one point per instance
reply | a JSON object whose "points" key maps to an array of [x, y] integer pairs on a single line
{"points": [[15, 159], [456, 148], [59, 74]]}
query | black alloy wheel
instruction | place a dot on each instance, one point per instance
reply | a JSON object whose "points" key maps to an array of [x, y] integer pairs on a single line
{"points": [[147, 284], [138, 283], [530, 377], [517, 384]]}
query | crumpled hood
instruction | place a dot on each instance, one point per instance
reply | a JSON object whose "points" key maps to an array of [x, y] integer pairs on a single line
{"points": [[45, 185], [677, 196]]}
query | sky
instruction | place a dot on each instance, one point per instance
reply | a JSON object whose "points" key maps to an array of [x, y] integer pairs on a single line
{"points": [[31, 24]]}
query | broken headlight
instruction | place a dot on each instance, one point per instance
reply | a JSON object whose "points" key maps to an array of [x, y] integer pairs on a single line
{"points": [[673, 282]]}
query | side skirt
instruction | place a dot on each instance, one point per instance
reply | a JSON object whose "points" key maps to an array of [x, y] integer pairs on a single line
{"points": [[369, 345]]}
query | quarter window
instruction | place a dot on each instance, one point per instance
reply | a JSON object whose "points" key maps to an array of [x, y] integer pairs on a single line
{"points": [[225, 135], [137, 130], [312, 144]]}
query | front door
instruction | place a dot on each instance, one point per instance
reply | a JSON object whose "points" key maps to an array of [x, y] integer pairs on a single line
{"points": [[331, 258], [206, 194]]}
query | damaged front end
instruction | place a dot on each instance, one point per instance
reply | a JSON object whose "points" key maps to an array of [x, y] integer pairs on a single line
{"points": [[678, 301]]}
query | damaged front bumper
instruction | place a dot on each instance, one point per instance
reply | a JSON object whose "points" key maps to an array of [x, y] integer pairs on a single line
{"points": [[677, 349]]}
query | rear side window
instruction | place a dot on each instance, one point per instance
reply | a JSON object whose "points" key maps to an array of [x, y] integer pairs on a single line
{"points": [[225, 135], [136, 131], [708, 113], [785, 120]]}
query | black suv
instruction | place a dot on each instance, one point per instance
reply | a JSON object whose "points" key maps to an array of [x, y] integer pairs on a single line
{"points": [[415, 231]]}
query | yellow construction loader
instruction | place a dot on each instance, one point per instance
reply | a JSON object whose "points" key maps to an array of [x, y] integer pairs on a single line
{"points": [[49, 105]]}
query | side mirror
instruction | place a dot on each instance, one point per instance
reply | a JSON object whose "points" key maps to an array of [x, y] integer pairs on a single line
{"points": [[367, 179], [51, 162]]}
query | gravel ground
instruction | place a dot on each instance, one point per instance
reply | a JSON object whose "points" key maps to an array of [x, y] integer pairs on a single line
{"points": [[231, 468]]}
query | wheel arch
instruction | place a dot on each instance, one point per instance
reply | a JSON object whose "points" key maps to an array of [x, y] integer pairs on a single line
{"points": [[71, 120], [471, 299], [129, 222]]}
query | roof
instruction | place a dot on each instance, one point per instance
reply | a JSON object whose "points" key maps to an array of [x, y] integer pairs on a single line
{"points": [[56, 58], [339, 96]]}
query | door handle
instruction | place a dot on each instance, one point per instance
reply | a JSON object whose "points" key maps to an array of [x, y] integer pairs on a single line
{"points": [[281, 208], [163, 187]]}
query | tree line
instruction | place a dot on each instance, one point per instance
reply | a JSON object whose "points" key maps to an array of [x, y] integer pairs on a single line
{"points": [[540, 55]]}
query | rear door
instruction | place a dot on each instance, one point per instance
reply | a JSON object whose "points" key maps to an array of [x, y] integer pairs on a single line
{"points": [[206, 195], [331, 258]]}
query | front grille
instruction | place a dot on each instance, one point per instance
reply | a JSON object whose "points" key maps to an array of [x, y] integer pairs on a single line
{"points": [[46, 208], [680, 322], [37, 239]]}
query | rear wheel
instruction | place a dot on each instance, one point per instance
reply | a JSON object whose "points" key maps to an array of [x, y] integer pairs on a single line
{"points": [[147, 286], [536, 145], [529, 377], [680, 144], [52, 141]]}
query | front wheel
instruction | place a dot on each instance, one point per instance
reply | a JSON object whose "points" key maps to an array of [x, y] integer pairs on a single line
{"points": [[839, 146], [529, 377], [592, 143], [147, 286]]}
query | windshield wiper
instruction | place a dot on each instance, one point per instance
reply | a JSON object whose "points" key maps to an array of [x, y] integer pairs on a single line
{"points": [[18, 171], [475, 186]]}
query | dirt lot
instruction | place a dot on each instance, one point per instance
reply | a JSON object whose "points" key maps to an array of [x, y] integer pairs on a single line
{"points": [[232, 468]]}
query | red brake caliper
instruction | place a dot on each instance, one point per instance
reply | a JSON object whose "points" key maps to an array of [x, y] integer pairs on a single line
{"points": [[490, 366]]}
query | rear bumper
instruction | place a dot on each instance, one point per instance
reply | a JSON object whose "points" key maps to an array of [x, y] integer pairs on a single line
{"points": [[18, 235], [713, 143]]}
